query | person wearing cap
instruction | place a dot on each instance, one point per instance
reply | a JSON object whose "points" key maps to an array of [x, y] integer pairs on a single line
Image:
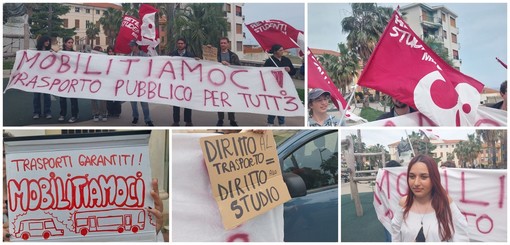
{"points": [[318, 103], [278, 60], [398, 109], [135, 51]]}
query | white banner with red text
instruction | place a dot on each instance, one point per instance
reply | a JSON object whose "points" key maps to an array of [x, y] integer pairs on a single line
{"points": [[186, 82]]}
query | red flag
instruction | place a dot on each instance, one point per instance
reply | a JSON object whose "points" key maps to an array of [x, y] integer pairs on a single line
{"points": [[149, 34], [405, 68], [129, 30], [270, 32], [318, 78]]}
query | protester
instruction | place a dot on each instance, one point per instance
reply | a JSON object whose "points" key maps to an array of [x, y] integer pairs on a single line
{"points": [[502, 104], [318, 103], [278, 60], [183, 52], [398, 109], [114, 108], [43, 44], [99, 112], [227, 57], [135, 51], [98, 49], [428, 214], [68, 46]]}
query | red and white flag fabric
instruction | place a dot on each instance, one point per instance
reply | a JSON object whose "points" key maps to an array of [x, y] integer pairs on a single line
{"points": [[430, 134], [149, 34], [318, 78], [408, 70], [270, 32], [129, 30]]}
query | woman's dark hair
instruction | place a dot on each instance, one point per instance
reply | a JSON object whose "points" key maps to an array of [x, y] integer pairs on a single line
{"points": [[41, 41], [65, 41], [440, 200], [110, 48], [275, 48]]}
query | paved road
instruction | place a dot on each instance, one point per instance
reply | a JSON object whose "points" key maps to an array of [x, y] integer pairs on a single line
{"points": [[17, 111]]}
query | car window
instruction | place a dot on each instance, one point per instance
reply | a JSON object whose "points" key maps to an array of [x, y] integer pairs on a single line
{"points": [[316, 161]]}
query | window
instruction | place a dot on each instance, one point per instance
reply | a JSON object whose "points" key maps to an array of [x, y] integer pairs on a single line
{"points": [[87, 11], [441, 155], [239, 29], [98, 41], [229, 26], [66, 23], [446, 146], [87, 23], [239, 11], [445, 35], [239, 46], [452, 22], [454, 38], [455, 54], [443, 17], [77, 24], [227, 6], [77, 10], [316, 162], [440, 146], [97, 11]]}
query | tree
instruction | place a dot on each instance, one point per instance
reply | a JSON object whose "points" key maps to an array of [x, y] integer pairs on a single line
{"points": [[438, 47], [421, 145], [376, 160], [91, 32], [45, 20], [200, 24], [111, 21], [348, 66], [467, 151], [490, 137], [364, 29]]}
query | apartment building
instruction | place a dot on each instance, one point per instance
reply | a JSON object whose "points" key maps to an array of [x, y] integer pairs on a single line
{"points": [[443, 149], [235, 22], [438, 22]]}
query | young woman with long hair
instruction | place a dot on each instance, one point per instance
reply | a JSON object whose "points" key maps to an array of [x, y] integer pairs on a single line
{"points": [[428, 213], [68, 46]]}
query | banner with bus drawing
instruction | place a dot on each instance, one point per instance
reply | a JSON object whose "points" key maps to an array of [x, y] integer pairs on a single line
{"points": [[79, 187]]}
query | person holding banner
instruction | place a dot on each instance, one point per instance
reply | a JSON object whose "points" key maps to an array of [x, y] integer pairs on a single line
{"points": [[502, 104], [43, 44], [135, 51], [427, 213], [68, 46], [182, 50], [398, 109], [278, 60], [227, 57], [114, 108], [318, 102]]}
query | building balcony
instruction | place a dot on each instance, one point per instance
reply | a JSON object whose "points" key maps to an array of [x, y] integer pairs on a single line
{"points": [[431, 22]]}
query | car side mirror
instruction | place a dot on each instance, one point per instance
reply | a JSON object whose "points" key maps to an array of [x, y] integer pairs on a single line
{"points": [[295, 184]]}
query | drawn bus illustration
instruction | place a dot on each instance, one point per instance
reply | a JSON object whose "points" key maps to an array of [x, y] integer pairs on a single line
{"points": [[44, 228], [120, 220]]}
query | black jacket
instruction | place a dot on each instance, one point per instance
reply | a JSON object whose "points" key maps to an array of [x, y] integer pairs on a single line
{"points": [[187, 54], [281, 63], [234, 59]]}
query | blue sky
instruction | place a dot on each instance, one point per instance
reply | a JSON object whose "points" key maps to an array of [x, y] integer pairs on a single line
{"points": [[482, 35]]}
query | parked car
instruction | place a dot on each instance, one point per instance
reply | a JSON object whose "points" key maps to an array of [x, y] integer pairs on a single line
{"points": [[309, 161]]}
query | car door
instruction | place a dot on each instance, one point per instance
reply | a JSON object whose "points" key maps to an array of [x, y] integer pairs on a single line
{"points": [[313, 155]]}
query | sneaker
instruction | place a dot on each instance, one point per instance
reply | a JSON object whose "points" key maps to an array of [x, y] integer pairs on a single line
{"points": [[189, 124], [73, 119], [219, 123], [149, 123], [61, 118], [135, 120], [49, 116], [175, 124], [105, 118], [270, 125], [234, 124], [96, 118], [36, 116]]}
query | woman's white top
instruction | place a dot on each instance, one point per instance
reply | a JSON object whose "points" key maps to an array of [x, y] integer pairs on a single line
{"points": [[407, 230]]}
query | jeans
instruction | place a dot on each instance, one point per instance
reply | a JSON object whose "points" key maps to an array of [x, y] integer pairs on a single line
{"points": [[74, 107], [37, 103], [270, 119], [145, 110], [177, 114]]}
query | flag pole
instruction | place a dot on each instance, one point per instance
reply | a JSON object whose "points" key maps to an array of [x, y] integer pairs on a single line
{"points": [[409, 140], [348, 102]]}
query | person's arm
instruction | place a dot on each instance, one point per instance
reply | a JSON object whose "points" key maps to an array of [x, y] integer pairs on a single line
{"points": [[396, 222], [157, 210], [235, 60], [460, 224], [292, 70]]}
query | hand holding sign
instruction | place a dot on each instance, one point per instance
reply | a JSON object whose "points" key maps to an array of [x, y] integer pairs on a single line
{"points": [[246, 179]]}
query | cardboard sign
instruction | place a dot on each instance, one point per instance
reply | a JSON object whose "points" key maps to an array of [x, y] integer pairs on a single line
{"points": [[485, 117], [195, 213], [80, 188], [480, 194], [186, 82], [210, 53], [245, 174]]}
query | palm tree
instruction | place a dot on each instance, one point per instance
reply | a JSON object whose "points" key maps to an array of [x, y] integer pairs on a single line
{"points": [[364, 28], [348, 66], [490, 137], [91, 32], [200, 24], [468, 151], [111, 21]]}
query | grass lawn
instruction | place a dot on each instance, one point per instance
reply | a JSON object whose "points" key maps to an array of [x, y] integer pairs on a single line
{"points": [[370, 114]]}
